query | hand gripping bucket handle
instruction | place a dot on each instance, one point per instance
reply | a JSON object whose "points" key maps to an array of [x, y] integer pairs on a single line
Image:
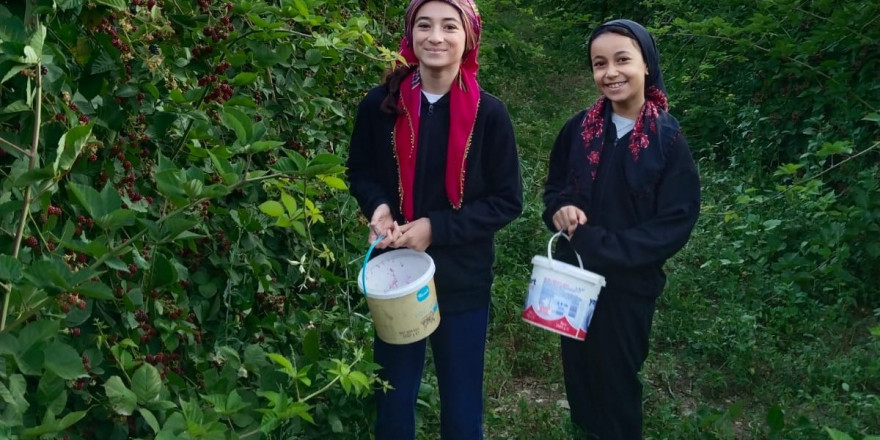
{"points": [[550, 246]]}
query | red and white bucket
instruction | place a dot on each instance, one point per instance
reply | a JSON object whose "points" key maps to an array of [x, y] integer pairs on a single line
{"points": [[562, 297]]}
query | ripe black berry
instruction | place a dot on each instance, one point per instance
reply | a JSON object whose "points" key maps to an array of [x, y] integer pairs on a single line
{"points": [[154, 49]]}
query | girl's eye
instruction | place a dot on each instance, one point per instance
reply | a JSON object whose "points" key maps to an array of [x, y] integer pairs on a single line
{"points": [[598, 64], [423, 26], [451, 27], [623, 59]]}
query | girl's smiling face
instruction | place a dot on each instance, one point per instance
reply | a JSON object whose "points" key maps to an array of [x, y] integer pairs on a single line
{"points": [[619, 71], [438, 37]]}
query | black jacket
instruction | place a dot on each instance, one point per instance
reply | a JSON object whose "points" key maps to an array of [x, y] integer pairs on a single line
{"points": [[629, 234], [462, 240]]}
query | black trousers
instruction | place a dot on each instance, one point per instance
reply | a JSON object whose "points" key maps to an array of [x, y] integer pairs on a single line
{"points": [[601, 373]]}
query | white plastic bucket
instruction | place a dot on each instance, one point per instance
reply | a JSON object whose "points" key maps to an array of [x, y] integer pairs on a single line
{"points": [[562, 297], [399, 286]]}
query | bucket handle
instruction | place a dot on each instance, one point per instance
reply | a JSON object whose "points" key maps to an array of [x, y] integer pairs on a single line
{"points": [[549, 247], [366, 259]]}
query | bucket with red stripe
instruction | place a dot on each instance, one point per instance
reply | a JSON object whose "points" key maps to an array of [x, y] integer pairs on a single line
{"points": [[562, 297]]}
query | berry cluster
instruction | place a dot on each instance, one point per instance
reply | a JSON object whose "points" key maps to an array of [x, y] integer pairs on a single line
{"points": [[221, 94], [218, 33], [148, 330], [109, 28], [168, 362], [66, 300], [83, 222]]}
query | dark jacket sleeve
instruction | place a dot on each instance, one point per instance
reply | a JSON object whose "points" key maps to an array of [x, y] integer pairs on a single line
{"points": [[364, 156], [652, 241], [555, 196], [501, 200]]}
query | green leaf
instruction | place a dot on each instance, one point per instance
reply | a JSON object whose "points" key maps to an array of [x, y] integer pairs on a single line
{"points": [[97, 204], [8, 344], [788, 169], [35, 175], [160, 122], [70, 146], [177, 96], [289, 204], [192, 412], [151, 89], [837, 435], [19, 106], [244, 78], [51, 392], [234, 403], [11, 28], [875, 331], [115, 4], [64, 361], [771, 224], [272, 208], [52, 275], [116, 219], [239, 123], [151, 420], [164, 273], [121, 398], [70, 419], [65, 5], [775, 418], [261, 146], [146, 383], [38, 332], [301, 7], [284, 362], [103, 63], [840, 147], [10, 268], [873, 117], [96, 290], [311, 346], [335, 182]]}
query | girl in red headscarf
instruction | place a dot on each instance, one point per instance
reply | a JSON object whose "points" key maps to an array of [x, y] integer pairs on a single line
{"points": [[433, 165]]}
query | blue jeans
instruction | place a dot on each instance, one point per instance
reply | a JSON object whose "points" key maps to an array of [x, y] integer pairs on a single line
{"points": [[458, 346]]}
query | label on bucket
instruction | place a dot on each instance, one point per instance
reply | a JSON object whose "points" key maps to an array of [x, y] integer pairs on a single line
{"points": [[423, 293], [559, 304]]}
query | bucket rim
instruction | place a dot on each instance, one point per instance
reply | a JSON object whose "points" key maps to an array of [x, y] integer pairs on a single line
{"points": [[568, 269], [401, 291]]}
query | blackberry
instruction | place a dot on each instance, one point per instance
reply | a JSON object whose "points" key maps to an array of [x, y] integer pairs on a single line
{"points": [[154, 49]]}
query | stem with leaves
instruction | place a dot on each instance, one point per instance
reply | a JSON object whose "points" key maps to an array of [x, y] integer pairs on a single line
{"points": [[26, 203]]}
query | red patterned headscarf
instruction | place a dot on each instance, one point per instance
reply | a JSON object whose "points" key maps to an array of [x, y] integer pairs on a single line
{"points": [[464, 100]]}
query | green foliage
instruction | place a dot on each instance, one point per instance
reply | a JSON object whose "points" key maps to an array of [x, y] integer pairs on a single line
{"points": [[173, 261]]}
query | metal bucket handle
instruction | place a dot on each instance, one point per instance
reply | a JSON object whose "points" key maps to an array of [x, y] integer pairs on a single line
{"points": [[549, 247]]}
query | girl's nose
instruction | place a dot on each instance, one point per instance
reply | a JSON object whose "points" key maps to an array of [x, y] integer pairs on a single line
{"points": [[436, 35]]}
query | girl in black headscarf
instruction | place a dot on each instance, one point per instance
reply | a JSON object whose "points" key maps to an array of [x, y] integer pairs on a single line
{"points": [[623, 185]]}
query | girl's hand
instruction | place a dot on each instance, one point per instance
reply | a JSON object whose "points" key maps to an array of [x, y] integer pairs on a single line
{"points": [[568, 218], [383, 223], [415, 235]]}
